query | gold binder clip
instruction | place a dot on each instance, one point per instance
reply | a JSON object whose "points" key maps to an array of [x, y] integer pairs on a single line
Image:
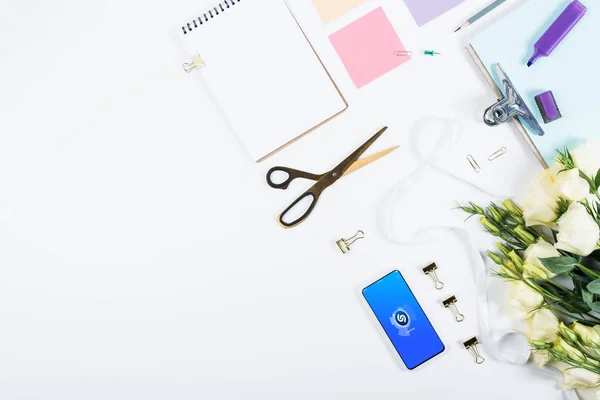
{"points": [[430, 270], [471, 345], [195, 63], [344, 244], [450, 303]]}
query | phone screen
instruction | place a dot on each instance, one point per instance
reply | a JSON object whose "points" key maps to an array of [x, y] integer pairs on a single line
{"points": [[403, 320]]}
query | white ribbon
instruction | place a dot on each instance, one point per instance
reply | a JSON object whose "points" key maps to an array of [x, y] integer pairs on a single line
{"points": [[507, 346]]}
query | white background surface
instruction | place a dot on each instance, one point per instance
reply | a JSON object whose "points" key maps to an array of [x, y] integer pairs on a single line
{"points": [[139, 252]]}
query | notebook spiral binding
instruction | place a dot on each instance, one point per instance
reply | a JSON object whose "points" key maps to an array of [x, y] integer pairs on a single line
{"points": [[208, 15]]}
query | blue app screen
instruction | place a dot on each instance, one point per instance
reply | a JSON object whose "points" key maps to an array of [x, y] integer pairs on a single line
{"points": [[403, 320]]}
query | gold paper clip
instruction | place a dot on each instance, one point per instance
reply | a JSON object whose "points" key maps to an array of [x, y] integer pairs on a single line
{"points": [[473, 163], [344, 244], [195, 63], [450, 303], [471, 345], [498, 153], [430, 270]]}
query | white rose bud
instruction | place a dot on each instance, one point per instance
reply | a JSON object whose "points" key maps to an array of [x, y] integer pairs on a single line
{"points": [[587, 158], [533, 266], [578, 232], [571, 186], [523, 301], [542, 326], [579, 378]]}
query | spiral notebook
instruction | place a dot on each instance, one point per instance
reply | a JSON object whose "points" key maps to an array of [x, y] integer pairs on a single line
{"points": [[262, 72]]}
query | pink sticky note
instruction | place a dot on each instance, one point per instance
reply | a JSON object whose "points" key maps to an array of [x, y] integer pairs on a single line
{"points": [[367, 46]]}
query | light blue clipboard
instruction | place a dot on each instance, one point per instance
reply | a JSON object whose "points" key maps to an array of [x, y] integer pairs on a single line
{"points": [[572, 71]]}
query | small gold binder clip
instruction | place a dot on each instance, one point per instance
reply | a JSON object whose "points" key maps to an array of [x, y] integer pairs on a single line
{"points": [[450, 303], [344, 244], [195, 63], [430, 270], [471, 345]]}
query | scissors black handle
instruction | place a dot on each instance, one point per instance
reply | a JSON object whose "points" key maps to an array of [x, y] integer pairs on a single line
{"points": [[291, 174], [286, 223], [311, 196]]}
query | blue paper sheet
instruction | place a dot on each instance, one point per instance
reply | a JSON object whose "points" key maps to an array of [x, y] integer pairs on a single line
{"points": [[572, 71]]}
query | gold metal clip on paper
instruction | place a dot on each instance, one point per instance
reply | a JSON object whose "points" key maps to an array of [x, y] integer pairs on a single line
{"points": [[450, 303], [471, 345], [195, 63], [344, 244], [430, 270]]}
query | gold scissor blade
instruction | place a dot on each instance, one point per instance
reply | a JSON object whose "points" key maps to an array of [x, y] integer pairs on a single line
{"points": [[368, 160]]}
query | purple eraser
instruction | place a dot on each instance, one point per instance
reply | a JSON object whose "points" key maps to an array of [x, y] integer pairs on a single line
{"points": [[548, 107], [557, 31]]}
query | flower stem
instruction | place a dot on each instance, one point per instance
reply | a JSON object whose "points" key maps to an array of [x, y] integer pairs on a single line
{"points": [[588, 272], [584, 318]]}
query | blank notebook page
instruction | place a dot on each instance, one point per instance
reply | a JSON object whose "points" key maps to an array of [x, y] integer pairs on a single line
{"points": [[262, 72]]}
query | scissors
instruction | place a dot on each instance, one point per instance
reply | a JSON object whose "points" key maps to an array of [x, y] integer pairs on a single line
{"points": [[307, 201]]}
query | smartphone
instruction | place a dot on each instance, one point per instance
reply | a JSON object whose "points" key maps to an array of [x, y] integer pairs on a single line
{"points": [[403, 320]]}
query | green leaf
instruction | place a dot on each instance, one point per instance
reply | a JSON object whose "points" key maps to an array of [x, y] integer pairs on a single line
{"points": [[588, 296], [594, 286], [559, 265], [597, 180], [562, 205], [580, 307], [578, 283], [595, 306]]}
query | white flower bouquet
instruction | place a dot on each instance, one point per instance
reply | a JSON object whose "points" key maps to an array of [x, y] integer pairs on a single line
{"points": [[550, 252]]}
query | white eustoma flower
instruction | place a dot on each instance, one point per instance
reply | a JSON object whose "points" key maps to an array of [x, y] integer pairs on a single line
{"points": [[566, 350], [571, 186], [579, 378], [587, 158], [539, 207], [588, 336], [578, 232], [533, 266], [543, 326], [523, 301], [541, 357]]}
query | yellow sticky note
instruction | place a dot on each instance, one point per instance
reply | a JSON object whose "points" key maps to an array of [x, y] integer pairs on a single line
{"points": [[329, 10]]}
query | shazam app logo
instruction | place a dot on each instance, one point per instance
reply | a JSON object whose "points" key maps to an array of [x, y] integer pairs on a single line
{"points": [[401, 320]]}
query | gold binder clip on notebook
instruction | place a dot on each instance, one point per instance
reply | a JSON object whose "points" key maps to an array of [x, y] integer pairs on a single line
{"points": [[195, 63]]}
